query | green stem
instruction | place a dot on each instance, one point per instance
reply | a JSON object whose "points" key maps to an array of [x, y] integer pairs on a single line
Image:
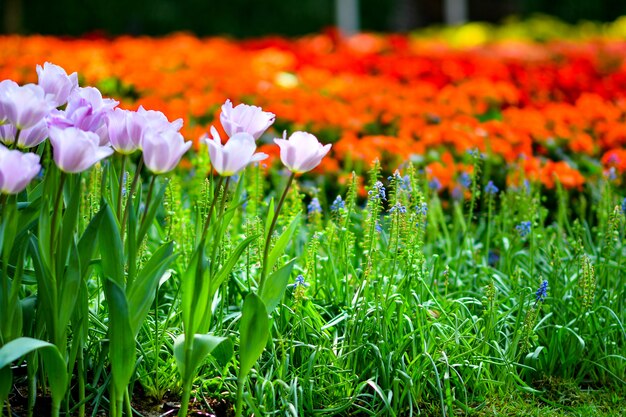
{"points": [[129, 202], [56, 409], [55, 214], [184, 402], [268, 238], [239, 402], [129, 408], [118, 212], [81, 383], [148, 198], [207, 221]]}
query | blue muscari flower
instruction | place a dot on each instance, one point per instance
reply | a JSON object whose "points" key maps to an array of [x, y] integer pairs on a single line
{"points": [[542, 292], [523, 228], [493, 258], [457, 193], [422, 209], [612, 174], [406, 183], [397, 207], [491, 188], [475, 153], [624, 205], [434, 184], [379, 190], [244, 197], [466, 180], [314, 206], [337, 204], [299, 282], [124, 179], [378, 227]]}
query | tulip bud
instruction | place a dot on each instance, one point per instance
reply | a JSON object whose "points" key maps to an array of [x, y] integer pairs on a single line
{"points": [[302, 152]]}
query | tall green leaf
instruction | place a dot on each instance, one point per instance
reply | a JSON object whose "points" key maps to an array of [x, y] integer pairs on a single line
{"points": [[111, 250], [142, 292], [254, 330], [53, 362], [203, 345], [275, 286], [282, 242], [122, 348]]}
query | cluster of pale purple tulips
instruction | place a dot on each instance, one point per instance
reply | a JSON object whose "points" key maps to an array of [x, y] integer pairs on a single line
{"points": [[84, 128]]}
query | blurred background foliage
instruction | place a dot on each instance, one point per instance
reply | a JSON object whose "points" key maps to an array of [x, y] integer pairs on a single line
{"points": [[249, 18]]}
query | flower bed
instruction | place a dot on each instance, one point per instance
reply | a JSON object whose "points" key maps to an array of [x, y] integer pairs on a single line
{"points": [[556, 108]]}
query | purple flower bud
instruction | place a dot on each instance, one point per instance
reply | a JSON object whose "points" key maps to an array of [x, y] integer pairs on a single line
{"points": [[125, 130], [244, 118], [76, 150], [162, 150], [86, 110], [302, 152], [17, 170], [231, 158], [33, 136], [156, 121], [5, 87], [7, 134], [56, 83], [23, 106]]}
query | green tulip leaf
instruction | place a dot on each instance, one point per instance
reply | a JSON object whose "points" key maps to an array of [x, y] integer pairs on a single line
{"points": [[203, 345], [275, 286], [254, 330], [122, 348], [282, 242], [53, 362], [143, 289], [111, 248]]}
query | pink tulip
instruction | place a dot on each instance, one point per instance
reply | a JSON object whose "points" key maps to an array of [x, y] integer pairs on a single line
{"points": [[302, 152], [17, 170], [23, 106], [235, 155], [125, 130], [75, 150], [56, 83], [162, 150], [244, 118]]}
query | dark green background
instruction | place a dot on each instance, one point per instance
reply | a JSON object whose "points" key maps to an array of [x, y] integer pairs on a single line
{"points": [[245, 18]]}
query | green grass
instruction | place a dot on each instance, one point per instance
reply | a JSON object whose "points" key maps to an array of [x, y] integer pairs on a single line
{"points": [[415, 304]]}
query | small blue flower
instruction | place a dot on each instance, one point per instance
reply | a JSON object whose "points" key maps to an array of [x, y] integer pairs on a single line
{"points": [[466, 180], [612, 174], [314, 206], [422, 209], [378, 191], [434, 184], [457, 193], [397, 207], [624, 205], [493, 258], [337, 204], [491, 188], [523, 228], [300, 281], [378, 227], [542, 292]]}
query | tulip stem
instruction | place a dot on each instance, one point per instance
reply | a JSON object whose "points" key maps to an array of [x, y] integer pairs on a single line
{"points": [[55, 213], [268, 238], [207, 221], [129, 203], [121, 187], [148, 198]]}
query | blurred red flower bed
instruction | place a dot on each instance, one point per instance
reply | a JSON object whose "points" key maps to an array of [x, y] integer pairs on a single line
{"points": [[556, 109]]}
